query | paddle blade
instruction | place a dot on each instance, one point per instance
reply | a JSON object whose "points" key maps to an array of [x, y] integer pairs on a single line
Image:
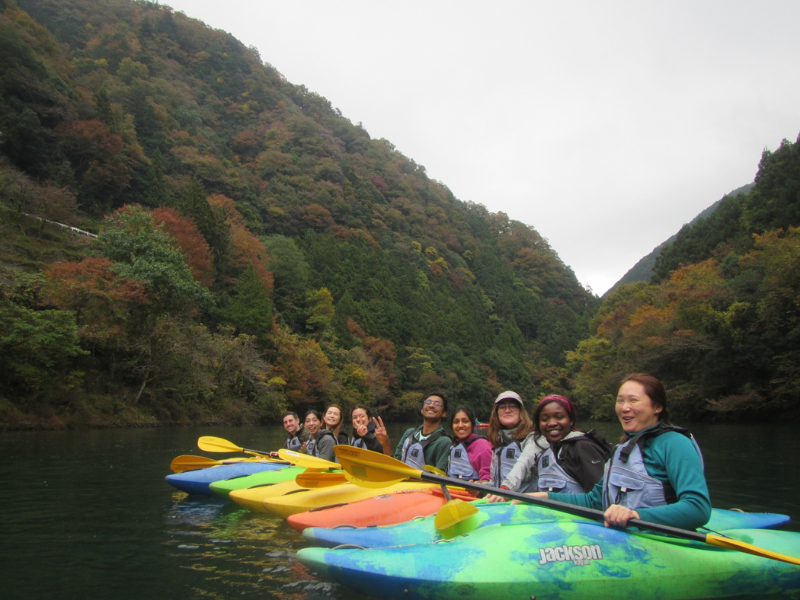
{"points": [[372, 469], [214, 444], [304, 460], [453, 512], [731, 544], [464, 527], [432, 469], [319, 480], [187, 462]]}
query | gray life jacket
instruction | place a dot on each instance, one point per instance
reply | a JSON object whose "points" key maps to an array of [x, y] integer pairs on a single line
{"points": [[552, 476], [505, 457], [458, 464], [627, 481], [294, 443], [414, 452], [311, 445]]}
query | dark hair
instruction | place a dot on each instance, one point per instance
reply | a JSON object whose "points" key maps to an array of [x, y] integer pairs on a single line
{"points": [[523, 429], [466, 411], [561, 400], [363, 407], [290, 413], [314, 412], [654, 390], [442, 396]]}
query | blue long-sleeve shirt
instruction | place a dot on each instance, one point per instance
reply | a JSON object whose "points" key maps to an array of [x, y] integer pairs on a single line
{"points": [[669, 457]]}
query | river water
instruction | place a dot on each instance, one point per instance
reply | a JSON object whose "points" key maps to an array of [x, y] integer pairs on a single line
{"points": [[87, 514]]}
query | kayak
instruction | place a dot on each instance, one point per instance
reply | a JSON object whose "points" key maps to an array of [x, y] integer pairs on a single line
{"points": [[566, 559], [384, 509], [198, 480], [422, 531], [254, 497], [305, 499], [226, 486]]}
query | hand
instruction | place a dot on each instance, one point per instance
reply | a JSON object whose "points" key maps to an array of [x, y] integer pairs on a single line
{"points": [[618, 516], [380, 430], [491, 498], [361, 430], [303, 447]]}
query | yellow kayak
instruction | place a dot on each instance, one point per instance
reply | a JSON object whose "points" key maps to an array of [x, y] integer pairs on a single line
{"points": [[254, 497], [301, 500]]}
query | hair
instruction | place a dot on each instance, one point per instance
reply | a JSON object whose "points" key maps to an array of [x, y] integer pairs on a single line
{"points": [[466, 411], [314, 412], [654, 390], [290, 413], [520, 433], [442, 396], [561, 400], [363, 407]]}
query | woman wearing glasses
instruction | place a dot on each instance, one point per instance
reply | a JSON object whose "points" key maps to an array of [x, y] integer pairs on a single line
{"points": [[429, 443], [510, 431]]}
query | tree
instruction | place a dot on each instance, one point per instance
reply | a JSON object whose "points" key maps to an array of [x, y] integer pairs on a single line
{"points": [[250, 310]]}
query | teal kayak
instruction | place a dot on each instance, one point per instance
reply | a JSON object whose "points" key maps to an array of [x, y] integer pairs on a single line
{"points": [[574, 559], [225, 486], [422, 530]]}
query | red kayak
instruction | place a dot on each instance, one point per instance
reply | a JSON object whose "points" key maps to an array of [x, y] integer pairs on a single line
{"points": [[387, 509]]}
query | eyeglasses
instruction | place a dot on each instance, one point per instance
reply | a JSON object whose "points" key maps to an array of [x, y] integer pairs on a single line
{"points": [[434, 403], [508, 406]]}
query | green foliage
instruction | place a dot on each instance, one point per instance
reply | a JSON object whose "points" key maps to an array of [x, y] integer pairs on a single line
{"points": [[250, 310]]}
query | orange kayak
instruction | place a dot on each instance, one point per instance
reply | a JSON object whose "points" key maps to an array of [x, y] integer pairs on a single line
{"points": [[386, 509]]}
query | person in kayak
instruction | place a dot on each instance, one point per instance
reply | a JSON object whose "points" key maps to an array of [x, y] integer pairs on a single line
{"points": [[470, 455], [322, 441], [567, 460], [510, 431], [656, 472], [296, 434], [429, 443], [368, 431], [333, 421]]}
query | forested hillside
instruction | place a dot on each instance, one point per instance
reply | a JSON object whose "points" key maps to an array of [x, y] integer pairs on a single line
{"points": [[255, 250], [720, 321]]}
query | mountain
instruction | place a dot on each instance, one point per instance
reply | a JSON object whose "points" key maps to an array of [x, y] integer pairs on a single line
{"points": [[256, 250], [643, 270]]}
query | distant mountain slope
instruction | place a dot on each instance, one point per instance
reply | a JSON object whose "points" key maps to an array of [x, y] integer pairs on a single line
{"points": [[643, 270]]}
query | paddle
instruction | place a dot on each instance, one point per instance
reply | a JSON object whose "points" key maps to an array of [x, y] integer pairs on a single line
{"points": [[304, 460], [210, 443], [453, 512], [187, 462], [364, 465], [319, 480]]}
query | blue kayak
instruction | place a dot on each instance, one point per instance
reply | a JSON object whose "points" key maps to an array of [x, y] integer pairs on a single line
{"points": [[199, 480], [422, 530]]}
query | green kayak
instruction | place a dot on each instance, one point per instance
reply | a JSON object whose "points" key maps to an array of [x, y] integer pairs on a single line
{"points": [[564, 560], [226, 486]]}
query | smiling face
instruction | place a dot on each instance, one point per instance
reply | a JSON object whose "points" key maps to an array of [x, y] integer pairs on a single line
{"points": [[333, 416], [312, 424], [508, 413], [291, 424], [462, 426], [360, 418], [635, 409], [433, 408], [554, 422]]}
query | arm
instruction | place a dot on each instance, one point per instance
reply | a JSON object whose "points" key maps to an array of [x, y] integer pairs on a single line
{"points": [[325, 446], [382, 436], [524, 470], [592, 499], [438, 453], [398, 451]]}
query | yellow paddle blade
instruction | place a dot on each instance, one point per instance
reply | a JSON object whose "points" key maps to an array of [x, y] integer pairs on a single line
{"points": [[187, 462], [432, 469], [319, 480], [730, 544], [454, 511], [210, 443], [304, 460], [372, 469]]}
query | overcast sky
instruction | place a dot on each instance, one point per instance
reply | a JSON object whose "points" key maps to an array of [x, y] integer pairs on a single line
{"points": [[604, 125]]}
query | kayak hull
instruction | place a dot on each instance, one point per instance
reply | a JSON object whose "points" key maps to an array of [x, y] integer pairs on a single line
{"points": [[226, 486], [563, 560], [422, 531], [199, 480]]}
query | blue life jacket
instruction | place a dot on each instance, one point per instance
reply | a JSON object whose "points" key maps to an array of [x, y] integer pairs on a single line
{"points": [[552, 476], [505, 457], [627, 481], [458, 464], [414, 452]]}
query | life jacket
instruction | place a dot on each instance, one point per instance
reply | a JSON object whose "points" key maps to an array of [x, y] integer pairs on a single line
{"points": [[627, 481], [311, 445], [505, 457], [360, 442], [551, 475], [294, 443], [414, 452], [458, 464]]}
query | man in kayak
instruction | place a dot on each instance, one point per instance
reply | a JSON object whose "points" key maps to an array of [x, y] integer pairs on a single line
{"points": [[296, 434], [429, 443]]}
